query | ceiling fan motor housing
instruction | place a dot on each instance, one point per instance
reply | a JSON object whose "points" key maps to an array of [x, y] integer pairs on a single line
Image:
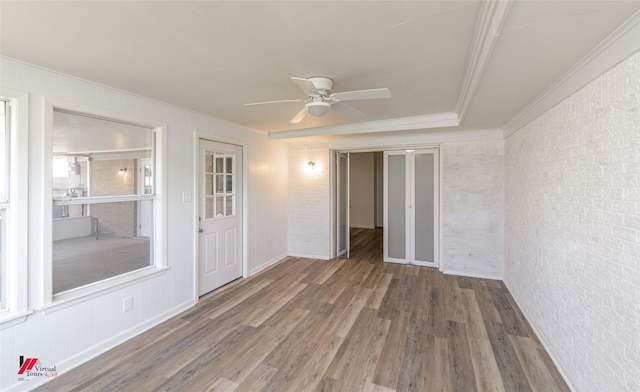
{"points": [[322, 84]]}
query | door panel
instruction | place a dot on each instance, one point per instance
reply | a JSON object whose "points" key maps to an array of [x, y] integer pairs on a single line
{"points": [[220, 214], [424, 225], [343, 204], [411, 207], [396, 207]]}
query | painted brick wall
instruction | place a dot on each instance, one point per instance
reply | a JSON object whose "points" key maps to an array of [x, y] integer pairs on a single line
{"points": [[572, 233], [309, 204], [114, 219], [473, 208]]}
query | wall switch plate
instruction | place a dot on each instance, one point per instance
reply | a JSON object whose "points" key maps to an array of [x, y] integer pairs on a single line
{"points": [[127, 304], [186, 197]]}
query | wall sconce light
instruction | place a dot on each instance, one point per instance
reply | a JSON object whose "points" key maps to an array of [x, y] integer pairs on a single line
{"points": [[122, 171], [311, 164]]}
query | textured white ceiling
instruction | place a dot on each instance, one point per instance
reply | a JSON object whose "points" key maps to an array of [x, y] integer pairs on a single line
{"points": [[214, 56]]}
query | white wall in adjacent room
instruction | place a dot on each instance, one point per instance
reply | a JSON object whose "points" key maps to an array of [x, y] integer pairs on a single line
{"points": [[361, 190]]}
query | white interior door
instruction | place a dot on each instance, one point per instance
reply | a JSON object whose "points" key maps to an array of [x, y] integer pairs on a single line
{"points": [[144, 208], [342, 209], [411, 207], [220, 214]]}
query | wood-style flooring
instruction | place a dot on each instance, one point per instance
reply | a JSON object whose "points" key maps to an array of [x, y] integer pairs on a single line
{"points": [[339, 325]]}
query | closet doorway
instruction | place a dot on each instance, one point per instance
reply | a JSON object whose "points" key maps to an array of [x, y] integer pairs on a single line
{"points": [[395, 191]]}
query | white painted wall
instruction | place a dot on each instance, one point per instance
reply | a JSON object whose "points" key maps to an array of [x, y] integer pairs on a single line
{"points": [[572, 179], [309, 204], [361, 190], [70, 336], [472, 177], [472, 205]]}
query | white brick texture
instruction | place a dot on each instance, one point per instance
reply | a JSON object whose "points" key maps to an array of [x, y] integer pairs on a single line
{"points": [[572, 230], [309, 204], [473, 208]]}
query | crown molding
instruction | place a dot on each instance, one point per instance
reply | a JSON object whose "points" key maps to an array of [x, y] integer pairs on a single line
{"points": [[488, 27], [438, 120], [618, 46]]}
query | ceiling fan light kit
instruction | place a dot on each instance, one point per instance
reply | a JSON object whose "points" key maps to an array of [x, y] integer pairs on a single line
{"points": [[320, 99], [318, 109]]}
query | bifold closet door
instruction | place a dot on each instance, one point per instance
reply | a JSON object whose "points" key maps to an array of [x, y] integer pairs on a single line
{"points": [[411, 207]]}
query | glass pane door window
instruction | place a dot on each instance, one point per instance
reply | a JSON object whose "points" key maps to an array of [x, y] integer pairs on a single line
{"points": [[219, 185]]}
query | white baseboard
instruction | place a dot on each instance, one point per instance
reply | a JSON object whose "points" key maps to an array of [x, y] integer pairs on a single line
{"points": [[100, 348], [267, 265], [306, 256], [543, 341], [471, 274]]}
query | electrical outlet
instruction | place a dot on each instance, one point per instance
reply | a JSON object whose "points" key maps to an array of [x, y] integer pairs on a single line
{"points": [[127, 304]]}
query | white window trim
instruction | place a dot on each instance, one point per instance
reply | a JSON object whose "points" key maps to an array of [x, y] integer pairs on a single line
{"points": [[49, 302], [16, 263]]}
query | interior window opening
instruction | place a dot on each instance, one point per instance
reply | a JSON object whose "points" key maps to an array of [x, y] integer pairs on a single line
{"points": [[103, 199]]}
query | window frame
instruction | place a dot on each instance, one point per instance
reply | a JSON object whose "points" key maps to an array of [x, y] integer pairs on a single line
{"points": [[15, 264], [52, 302]]}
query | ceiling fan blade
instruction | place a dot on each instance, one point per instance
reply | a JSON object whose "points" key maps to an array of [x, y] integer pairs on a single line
{"points": [[268, 102], [347, 110], [306, 85], [298, 117], [375, 93]]}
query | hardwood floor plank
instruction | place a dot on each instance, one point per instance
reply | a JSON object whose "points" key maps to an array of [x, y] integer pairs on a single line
{"points": [[414, 362], [290, 367], [329, 384], [190, 372], [436, 322], [485, 368], [347, 325], [485, 301], [453, 307], [257, 379], [379, 291], [222, 385], [272, 304], [510, 320], [354, 365], [473, 317], [388, 368], [460, 363], [557, 377], [350, 313], [234, 298], [256, 348], [389, 304], [329, 270], [407, 292], [437, 375], [513, 376], [534, 367], [311, 375]]}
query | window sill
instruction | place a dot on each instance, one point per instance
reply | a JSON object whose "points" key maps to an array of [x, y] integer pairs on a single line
{"points": [[8, 319], [72, 297]]}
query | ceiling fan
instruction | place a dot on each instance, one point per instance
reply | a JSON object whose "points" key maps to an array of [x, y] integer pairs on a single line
{"points": [[320, 99]]}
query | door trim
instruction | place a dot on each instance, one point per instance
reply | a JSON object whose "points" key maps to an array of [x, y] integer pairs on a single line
{"points": [[197, 136]]}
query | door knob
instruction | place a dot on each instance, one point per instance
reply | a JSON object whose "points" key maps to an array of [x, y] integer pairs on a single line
{"points": [[200, 230]]}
